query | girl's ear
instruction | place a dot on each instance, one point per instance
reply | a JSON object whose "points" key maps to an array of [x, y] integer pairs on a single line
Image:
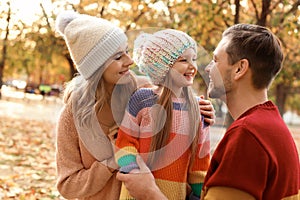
{"points": [[241, 68]]}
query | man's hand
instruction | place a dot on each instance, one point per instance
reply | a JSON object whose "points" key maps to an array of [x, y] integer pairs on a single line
{"points": [[207, 110], [140, 183]]}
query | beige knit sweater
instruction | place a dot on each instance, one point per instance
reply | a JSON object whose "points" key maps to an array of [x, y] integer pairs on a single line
{"points": [[80, 175]]}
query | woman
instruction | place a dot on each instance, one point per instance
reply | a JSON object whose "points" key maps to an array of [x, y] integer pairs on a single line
{"points": [[85, 164]]}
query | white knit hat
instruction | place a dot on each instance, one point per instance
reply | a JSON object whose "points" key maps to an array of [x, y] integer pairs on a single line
{"points": [[156, 53], [90, 40]]}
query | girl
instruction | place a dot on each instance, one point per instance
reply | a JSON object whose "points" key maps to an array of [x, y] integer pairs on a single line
{"points": [[163, 124]]}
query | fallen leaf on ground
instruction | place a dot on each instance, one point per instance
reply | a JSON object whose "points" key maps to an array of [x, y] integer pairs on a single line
{"points": [[27, 159]]}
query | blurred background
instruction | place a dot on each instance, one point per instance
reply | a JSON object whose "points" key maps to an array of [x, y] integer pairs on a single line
{"points": [[35, 65]]}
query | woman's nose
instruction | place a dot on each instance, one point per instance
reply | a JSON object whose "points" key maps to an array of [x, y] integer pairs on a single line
{"points": [[129, 60]]}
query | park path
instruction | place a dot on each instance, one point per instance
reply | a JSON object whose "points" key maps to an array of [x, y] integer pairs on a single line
{"points": [[17, 105]]}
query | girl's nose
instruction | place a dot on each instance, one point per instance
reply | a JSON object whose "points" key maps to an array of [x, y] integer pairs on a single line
{"points": [[193, 67], [192, 64]]}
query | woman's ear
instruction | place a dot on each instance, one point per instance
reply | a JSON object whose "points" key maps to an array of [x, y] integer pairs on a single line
{"points": [[241, 68]]}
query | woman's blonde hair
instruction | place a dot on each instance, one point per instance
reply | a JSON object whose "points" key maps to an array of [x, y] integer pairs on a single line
{"points": [[87, 98]]}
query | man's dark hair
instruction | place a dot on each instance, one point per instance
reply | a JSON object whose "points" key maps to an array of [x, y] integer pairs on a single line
{"points": [[260, 47]]}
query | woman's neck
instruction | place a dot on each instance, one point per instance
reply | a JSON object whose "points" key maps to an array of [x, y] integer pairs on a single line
{"points": [[109, 88]]}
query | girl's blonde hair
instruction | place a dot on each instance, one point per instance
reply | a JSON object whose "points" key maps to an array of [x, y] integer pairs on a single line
{"points": [[160, 139]]}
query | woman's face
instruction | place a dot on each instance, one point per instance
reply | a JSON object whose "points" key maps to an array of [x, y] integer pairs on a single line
{"points": [[117, 71], [184, 69]]}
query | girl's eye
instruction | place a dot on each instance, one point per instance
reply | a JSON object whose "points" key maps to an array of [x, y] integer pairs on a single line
{"points": [[183, 60]]}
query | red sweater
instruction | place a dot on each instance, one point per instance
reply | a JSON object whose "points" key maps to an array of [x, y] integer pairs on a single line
{"points": [[257, 155]]}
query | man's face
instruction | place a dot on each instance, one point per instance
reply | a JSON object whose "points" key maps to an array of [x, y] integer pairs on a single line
{"points": [[220, 72]]}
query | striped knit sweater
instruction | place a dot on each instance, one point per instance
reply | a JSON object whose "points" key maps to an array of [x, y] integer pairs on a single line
{"points": [[173, 173]]}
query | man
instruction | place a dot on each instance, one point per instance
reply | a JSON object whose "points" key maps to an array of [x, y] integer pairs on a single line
{"points": [[257, 157]]}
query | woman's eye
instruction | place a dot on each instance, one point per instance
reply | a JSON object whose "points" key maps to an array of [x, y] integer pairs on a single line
{"points": [[118, 57]]}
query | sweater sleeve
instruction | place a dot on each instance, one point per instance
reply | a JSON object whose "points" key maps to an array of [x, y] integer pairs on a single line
{"points": [[127, 144], [226, 193], [200, 165], [74, 179]]}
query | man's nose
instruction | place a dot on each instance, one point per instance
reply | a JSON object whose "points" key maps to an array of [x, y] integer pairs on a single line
{"points": [[209, 66]]}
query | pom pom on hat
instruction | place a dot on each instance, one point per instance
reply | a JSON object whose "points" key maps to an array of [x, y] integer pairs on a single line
{"points": [[64, 19], [91, 41], [156, 53]]}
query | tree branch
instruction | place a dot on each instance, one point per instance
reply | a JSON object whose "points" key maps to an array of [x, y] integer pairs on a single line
{"points": [[255, 9]]}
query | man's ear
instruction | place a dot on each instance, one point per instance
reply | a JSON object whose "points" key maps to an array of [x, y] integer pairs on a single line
{"points": [[241, 68]]}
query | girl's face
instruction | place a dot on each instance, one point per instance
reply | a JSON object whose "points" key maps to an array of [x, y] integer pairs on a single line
{"points": [[117, 70], [184, 69]]}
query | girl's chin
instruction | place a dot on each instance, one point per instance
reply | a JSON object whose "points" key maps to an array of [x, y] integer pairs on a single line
{"points": [[189, 80], [189, 84]]}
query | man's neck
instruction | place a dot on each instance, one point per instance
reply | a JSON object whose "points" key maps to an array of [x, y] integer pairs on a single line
{"points": [[241, 102]]}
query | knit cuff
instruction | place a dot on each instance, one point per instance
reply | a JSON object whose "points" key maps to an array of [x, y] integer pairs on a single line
{"points": [[126, 169], [192, 196]]}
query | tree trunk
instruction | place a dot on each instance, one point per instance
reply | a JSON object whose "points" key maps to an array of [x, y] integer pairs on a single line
{"points": [[1, 75], [72, 66], [4, 49], [237, 12], [281, 95], [264, 12], [228, 120]]}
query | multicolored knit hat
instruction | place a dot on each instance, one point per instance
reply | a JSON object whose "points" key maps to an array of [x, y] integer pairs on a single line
{"points": [[90, 40], [156, 53]]}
